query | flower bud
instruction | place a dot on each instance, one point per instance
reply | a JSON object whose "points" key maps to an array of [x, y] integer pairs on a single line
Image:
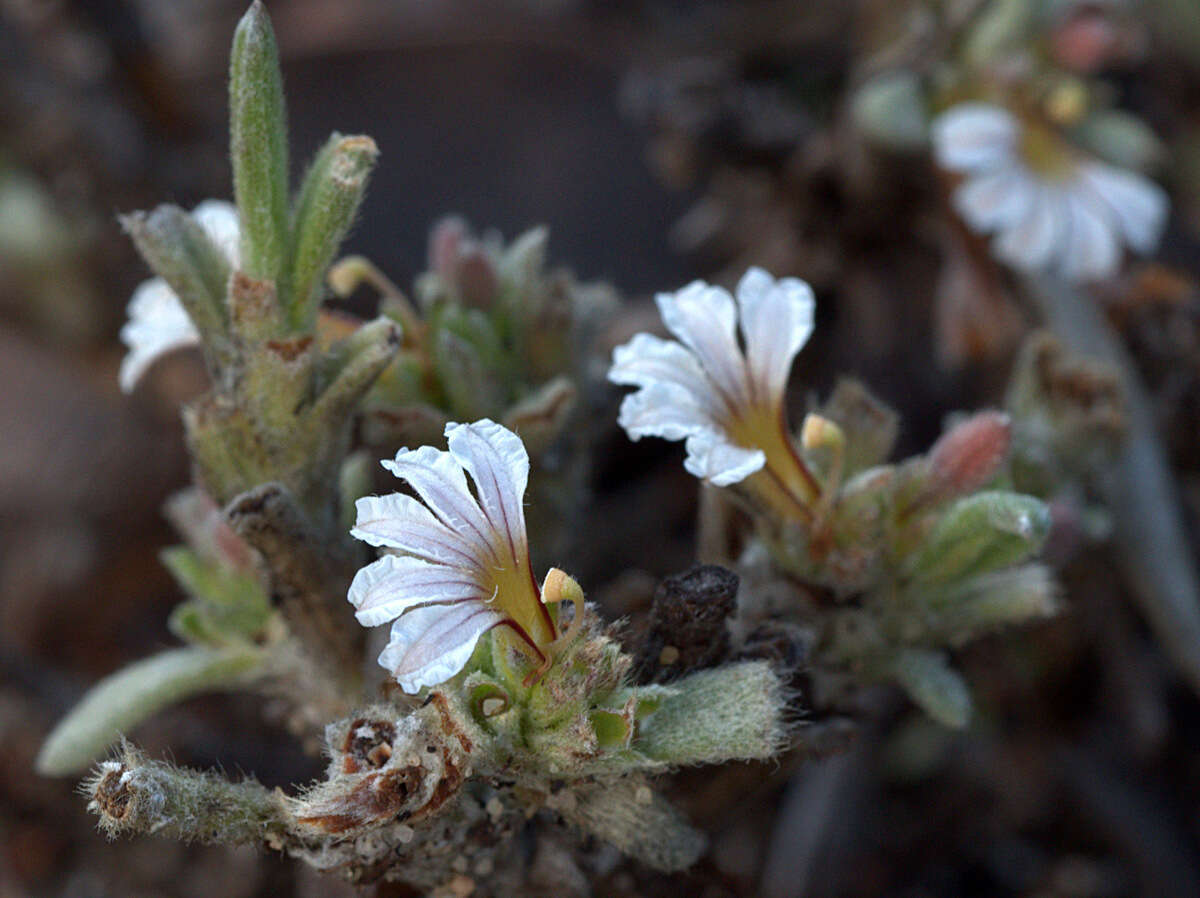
{"points": [[981, 533], [970, 454]]}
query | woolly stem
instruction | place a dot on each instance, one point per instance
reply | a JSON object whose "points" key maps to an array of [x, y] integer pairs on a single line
{"points": [[138, 796]]}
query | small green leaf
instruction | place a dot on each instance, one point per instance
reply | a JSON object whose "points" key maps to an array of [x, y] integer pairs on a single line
{"points": [[120, 702], [190, 622], [325, 208], [731, 712], [990, 601], [352, 366], [227, 604], [258, 147], [638, 821], [871, 427], [179, 251], [1002, 26], [1123, 139], [936, 687], [890, 109], [541, 416]]}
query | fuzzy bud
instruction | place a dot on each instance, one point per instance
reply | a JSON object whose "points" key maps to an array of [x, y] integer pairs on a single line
{"points": [[329, 199], [445, 243], [970, 455], [981, 533]]}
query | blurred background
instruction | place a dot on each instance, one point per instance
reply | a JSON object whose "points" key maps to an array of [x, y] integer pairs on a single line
{"points": [[659, 141]]}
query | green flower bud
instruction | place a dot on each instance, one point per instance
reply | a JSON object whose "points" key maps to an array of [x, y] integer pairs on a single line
{"points": [[981, 533], [325, 208]]}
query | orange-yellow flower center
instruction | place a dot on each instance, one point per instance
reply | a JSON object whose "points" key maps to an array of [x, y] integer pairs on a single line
{"points": [[1045, 152], [783, 484], [516, 595]]}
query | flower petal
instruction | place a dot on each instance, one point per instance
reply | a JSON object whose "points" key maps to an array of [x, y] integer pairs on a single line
{"points": [[663, 410], [439, 481], [1091, 251], [703, 318], [496, 459], [158, 324], [429, 645], [713, 458], [387, 588], [220, 221], [997, 199], [646, 360], [1139, 205], [1035, 241], [397, 521], [777, 320], [973, 137]]}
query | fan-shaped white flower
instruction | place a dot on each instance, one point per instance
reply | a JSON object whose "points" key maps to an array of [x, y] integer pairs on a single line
{"points": [[728, 404], [465, 565], [158, 322], [1050, 207]]}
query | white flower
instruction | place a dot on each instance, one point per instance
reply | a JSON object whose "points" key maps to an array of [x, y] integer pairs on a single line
{"points": [[465, 565], [158, 322], [1050, 207], [727, 403]]}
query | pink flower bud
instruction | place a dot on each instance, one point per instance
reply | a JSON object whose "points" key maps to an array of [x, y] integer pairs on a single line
{"points": [[1085, 42], [970, 454], [445, 245], [475, 276]]}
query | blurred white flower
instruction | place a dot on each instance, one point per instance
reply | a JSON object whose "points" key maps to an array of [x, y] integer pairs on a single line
{"points": [[158, 322], [727, 403], [1051, 207], [465, 565]]}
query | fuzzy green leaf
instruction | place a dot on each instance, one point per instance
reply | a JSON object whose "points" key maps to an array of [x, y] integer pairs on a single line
{"points": [[890, 109], [227, 604], [329, 199], [123, 700], [935, 686], [179, 251], [716, 715], [638, 821], [258, 146]]}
